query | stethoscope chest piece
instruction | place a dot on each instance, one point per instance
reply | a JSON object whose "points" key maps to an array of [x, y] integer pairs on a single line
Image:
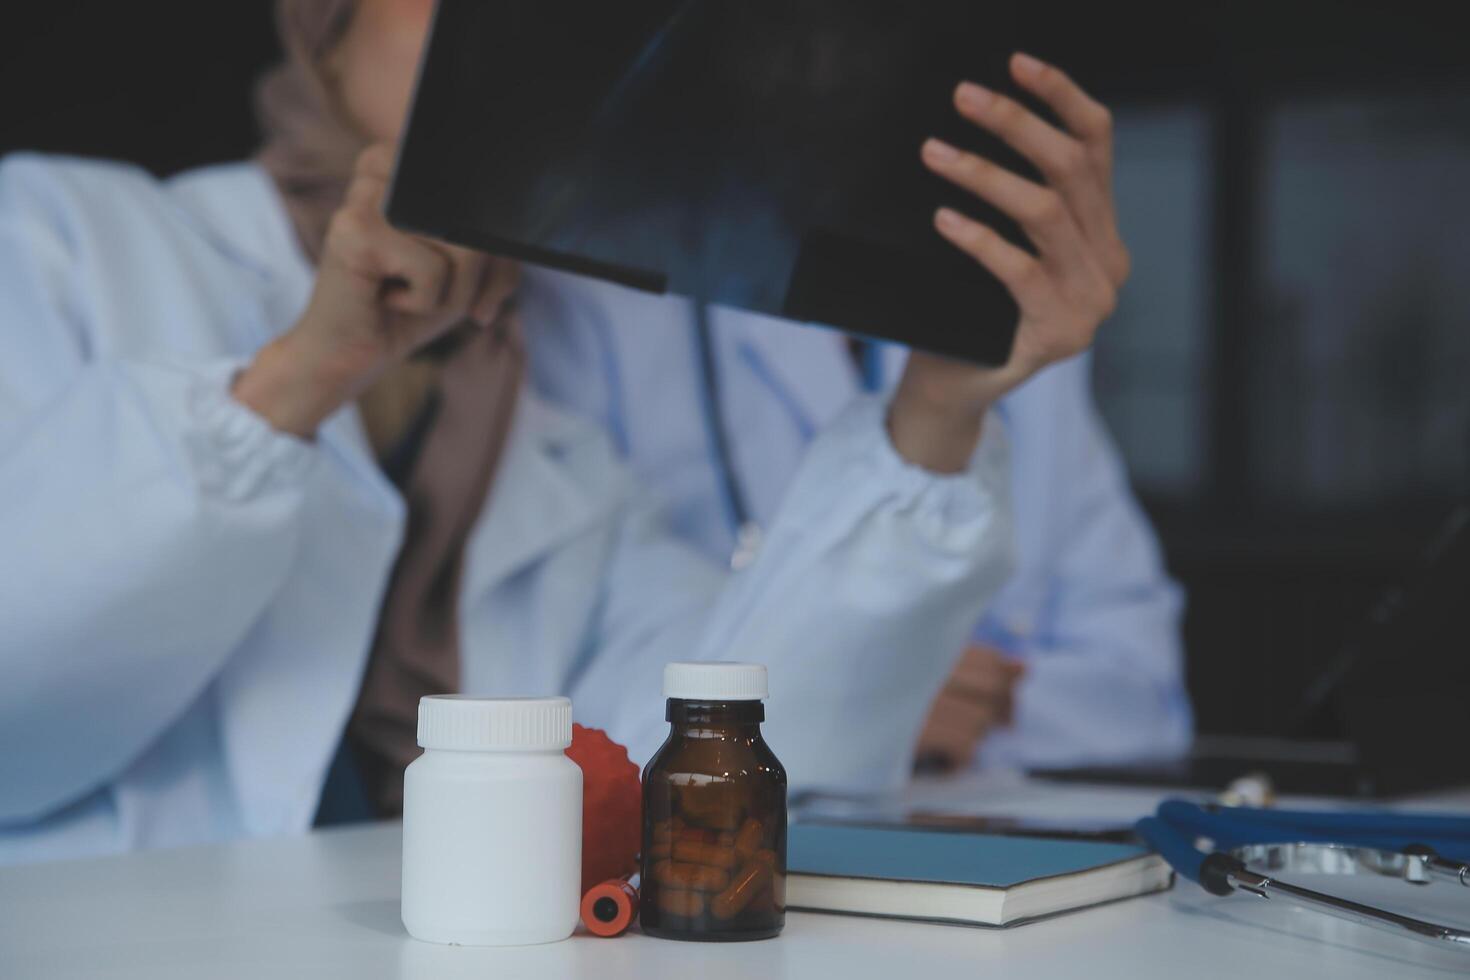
{"points": [[1248, 848], [747, 545]]}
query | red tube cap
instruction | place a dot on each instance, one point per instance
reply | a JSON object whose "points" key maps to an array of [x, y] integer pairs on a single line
{"points": [[609, 908]]}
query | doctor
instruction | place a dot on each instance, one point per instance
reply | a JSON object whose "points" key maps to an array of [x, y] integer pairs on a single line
{"points": [[268, 473], [1076, 660]]}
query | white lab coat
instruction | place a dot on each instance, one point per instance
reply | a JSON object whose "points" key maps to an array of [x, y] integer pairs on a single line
{"points": [[187, 597], [1090, 607]]}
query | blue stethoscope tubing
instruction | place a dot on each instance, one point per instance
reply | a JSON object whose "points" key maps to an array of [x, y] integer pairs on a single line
{"points": [[712, 409], [1435, 846], [1232, 827]]}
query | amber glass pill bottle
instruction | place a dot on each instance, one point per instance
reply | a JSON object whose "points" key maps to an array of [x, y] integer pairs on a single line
{"points": [[714, 811]]}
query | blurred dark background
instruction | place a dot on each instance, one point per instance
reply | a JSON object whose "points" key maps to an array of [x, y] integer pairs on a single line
{"points": [[1289, 372]]}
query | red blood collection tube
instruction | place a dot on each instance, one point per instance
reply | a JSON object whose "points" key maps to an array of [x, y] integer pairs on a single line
{"points": [[609, 908]]}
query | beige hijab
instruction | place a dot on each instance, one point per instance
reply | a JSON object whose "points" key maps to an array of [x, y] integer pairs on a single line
{"points": [[439, 422]]}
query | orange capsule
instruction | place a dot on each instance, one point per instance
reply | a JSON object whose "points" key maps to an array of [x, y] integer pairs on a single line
{"points": [[764, 902], [710, 854], [698, 835], [719, 804], [727, 818], [748, 841], [677, 901], [659, 850], [698, 877], [750, 882], [773, 897]]}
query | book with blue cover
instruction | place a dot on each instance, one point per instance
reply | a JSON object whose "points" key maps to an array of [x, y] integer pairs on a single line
{"points": [[973, 879]]}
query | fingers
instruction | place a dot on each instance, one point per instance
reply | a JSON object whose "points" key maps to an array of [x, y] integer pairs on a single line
{"points": [[1083, 115], [1066, 290], [500, 280], [986, 671], [1053, 152], [962, 715], [990, 708], [1091, 123], [1077, 163], [467, 272], [1019, 270], [376, 161], [986, 679], [954, 729], [978, 697], [1040, 211], [415, 276], [1061, 307]]}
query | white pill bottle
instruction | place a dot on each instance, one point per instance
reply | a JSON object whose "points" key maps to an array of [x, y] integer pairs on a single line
{"points": [[492, 823]]}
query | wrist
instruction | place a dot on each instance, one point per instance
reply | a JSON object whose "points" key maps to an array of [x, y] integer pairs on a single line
{"points": [[294, 389], [937, 438]]}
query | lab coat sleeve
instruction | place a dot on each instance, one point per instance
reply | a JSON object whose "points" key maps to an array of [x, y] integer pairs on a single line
{"points": [[1104, 680], [871, 576], [146, 520]]}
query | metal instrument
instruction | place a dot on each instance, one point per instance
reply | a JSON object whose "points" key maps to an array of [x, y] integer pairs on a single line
{"points": [[1248, 847]]}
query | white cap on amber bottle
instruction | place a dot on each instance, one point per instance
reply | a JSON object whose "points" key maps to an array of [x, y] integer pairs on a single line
{"points": [[715, 681]]}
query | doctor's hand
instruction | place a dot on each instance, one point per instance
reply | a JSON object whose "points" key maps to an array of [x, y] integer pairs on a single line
{"points": [[1064, 291], [979, 696], [380, 294]]}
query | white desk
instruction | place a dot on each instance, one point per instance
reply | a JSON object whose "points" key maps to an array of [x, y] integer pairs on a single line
{"points": [[326, 905]]}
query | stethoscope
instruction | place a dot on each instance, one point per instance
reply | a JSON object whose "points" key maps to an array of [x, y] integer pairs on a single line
{"points": [[747, 530], [1248, 847]]}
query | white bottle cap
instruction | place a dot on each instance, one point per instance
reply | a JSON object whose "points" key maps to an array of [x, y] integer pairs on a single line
{"points": [[470, 724], [716, 681]]}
